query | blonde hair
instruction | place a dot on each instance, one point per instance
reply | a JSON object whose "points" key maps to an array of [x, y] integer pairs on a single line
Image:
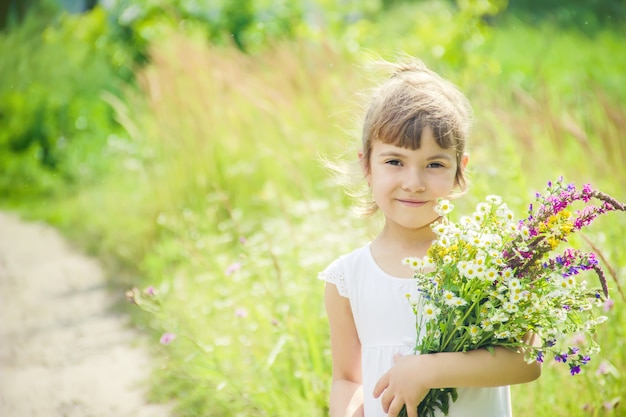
{"points": [[410, 100]]}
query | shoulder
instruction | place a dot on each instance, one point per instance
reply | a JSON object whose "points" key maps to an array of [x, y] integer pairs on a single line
{"points": [[342, 268]]}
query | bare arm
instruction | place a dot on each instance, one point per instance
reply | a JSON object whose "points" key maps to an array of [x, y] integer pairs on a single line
{"points": [[409, 380], [346, 396]]}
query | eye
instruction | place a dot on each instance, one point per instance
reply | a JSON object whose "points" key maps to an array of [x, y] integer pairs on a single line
{"points": [[435, 165], [394, 162]]}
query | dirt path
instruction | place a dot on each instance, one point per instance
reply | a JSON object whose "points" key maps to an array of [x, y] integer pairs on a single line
{"points": [[63, 352]]}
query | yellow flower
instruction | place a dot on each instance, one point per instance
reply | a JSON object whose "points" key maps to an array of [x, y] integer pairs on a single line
{"points": [[553, 242], [567, 228]]}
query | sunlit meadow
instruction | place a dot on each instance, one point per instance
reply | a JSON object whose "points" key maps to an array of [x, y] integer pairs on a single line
{"points": [[223, 208]]}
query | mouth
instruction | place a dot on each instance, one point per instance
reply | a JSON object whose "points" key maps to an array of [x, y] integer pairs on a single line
{"points": [[411, 203]]}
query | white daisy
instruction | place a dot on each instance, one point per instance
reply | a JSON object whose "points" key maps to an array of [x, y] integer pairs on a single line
{"points": [[514, 283], [448, 297], [470, 271], [459, 302], [430, 312], [502, 335], [499, 316], [494, 199], [414, 299], [439, 228], [483, 208], [478, 217], [524, 232], [467, 221], [474, 331], [444, 241], [491, 274], [414, 263], [505, 214], [510, 307], [507, 274], [486, 325], [443, 207]]}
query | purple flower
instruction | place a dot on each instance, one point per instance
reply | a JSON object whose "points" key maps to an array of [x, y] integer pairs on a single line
{"points": [[585, 359], [561, 358], [167, 338], [586, 192], [540, 357], [150, 291], [574, 369]]}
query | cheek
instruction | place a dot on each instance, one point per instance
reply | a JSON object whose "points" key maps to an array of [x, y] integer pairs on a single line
{"points": [[444, 184]]}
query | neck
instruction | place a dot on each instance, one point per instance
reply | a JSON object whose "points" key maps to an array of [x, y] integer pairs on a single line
{"points": [[405, 241]]}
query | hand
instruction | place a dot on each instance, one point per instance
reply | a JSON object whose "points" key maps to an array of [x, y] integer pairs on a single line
{"points": [[403, 384]]}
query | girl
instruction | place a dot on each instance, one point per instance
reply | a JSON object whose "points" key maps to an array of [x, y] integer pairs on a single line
{"points": [[413, 152]]}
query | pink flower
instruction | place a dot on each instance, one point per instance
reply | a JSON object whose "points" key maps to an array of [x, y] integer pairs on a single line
{"points": [[167, 338], [604, 368], [241, 312], [609, 405], [608, 305], [232, 268], [578, 339], [150, 291]]}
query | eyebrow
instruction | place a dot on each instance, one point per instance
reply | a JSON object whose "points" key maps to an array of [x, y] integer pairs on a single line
{"points": [[399, 155], [390, 153], [440, 156]]}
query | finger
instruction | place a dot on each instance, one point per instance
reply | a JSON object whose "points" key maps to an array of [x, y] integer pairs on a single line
{"points": [[411, 411], [381, 385], [395, 407], [385, 400]]}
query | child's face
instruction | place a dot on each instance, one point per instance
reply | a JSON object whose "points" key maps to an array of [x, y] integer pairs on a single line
{"points": [[406, 183]]}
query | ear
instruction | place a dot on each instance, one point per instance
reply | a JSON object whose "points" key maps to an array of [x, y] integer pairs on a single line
{"points": [[464, 161]]}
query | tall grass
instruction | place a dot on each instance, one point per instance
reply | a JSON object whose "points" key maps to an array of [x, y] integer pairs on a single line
{"points": [[222, 205]]}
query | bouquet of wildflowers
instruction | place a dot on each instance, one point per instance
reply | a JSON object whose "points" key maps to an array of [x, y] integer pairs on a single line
{"points": [[489, 281]]}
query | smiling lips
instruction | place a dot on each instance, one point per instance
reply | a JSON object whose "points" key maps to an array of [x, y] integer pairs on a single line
{"points": [[411, 203]]}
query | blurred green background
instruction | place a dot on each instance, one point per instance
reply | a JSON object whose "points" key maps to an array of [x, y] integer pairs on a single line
{"points": [[180, 141]]}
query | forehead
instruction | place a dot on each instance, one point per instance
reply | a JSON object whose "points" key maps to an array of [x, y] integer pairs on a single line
{"points": [[427, 146]]}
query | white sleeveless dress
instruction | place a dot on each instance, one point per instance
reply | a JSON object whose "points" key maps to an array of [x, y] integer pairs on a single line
{"points": [[385, 323]]}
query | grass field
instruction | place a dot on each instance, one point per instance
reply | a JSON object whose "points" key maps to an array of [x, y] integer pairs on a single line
{"points": [[221, 203]]}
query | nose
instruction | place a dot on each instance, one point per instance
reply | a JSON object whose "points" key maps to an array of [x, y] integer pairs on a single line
{"points": [[413, 182]]}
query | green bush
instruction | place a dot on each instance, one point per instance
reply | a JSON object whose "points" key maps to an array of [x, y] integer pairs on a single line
{"points": [[585, 15], [55, 121], [247, 24]]}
